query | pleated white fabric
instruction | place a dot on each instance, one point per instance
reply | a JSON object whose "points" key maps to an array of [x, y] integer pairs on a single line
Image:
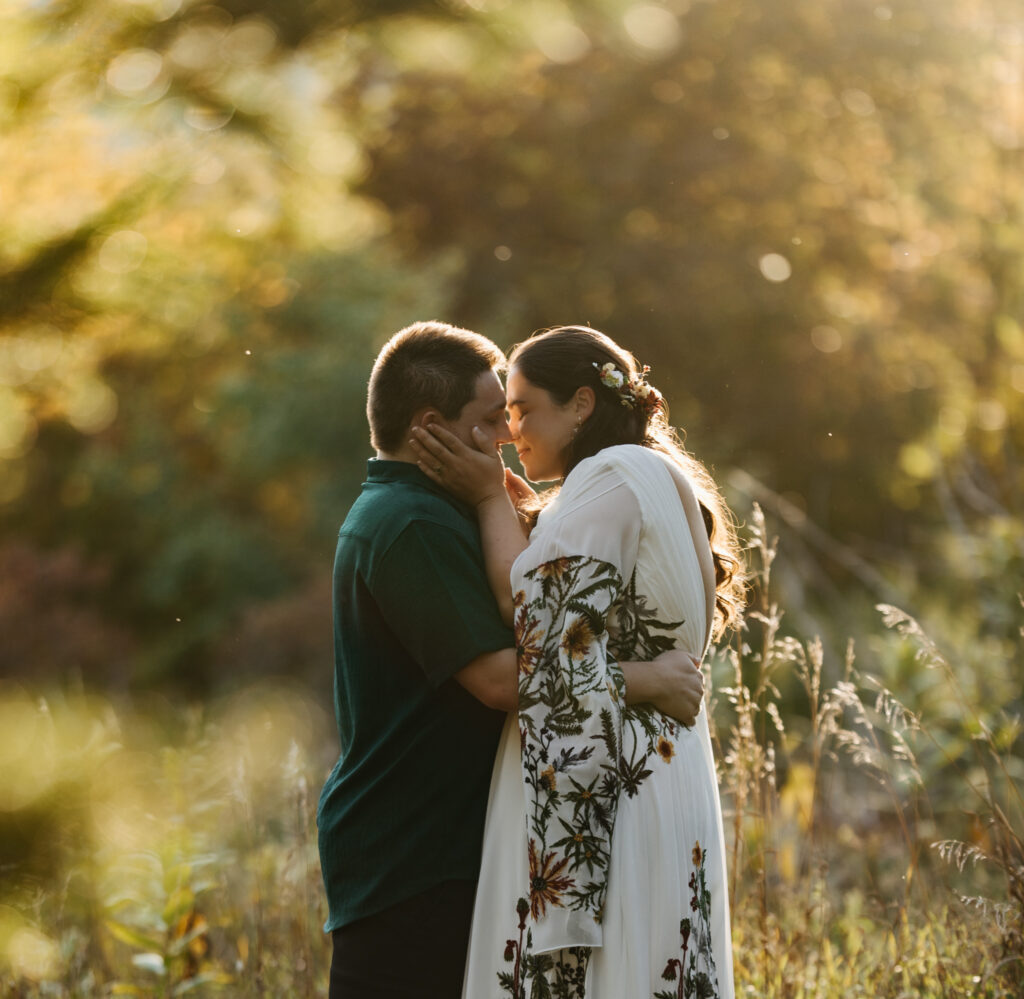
{"points": [[664, 927]]}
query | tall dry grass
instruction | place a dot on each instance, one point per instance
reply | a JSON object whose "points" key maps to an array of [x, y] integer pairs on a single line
{"points": [[875, 841], [875, 850]]}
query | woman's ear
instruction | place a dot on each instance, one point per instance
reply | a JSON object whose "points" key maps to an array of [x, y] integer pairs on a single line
{"points": [[583, 401]]}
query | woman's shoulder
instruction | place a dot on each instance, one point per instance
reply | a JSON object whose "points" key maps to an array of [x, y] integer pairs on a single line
{"points": [[649, 475], [624, 460]]}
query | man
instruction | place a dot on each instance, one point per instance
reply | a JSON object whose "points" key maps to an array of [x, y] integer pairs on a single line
{"points": [[424, 672]]}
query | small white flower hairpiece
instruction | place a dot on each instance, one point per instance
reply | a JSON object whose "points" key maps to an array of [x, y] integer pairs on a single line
{"points": [[630, 390]]}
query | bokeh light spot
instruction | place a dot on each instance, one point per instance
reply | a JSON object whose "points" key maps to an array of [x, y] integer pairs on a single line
{"points": [[250, 219], [91, 407], [250, 41], [134, 71], [858, 102], [38, 351], [667, 91], [162, 9], [827, 339], [32, 954], [775, 267], [123, 251], [562, 41], [27, 750], [207, 119], [652, 27], [991, 415], [918, 461], [209, 171], [952, 422], [905, 256], [197, 47], [334, 154], [503, 253]]}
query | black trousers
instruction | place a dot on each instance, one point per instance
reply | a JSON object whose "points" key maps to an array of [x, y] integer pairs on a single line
{"points": [[413, 950]]}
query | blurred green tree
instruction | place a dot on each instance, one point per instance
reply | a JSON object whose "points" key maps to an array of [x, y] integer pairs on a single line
{"points": [[808, 216], [190, 300]]}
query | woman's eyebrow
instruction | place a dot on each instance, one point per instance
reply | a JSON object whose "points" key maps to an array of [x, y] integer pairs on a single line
{"points": [[513, 402]]}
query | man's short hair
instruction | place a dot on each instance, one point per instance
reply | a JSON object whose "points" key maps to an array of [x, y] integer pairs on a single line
{"points": [[426, 364]]}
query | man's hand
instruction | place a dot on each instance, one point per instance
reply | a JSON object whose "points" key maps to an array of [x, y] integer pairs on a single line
{"points": [[673, 683], [682, 686]]}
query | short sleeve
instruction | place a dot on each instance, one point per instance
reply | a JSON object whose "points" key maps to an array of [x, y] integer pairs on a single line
{"points": [[431, 588], [571, 699]]}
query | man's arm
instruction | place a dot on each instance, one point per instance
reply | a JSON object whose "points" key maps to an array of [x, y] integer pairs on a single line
{"points": [[493, 679], [672, 682]]}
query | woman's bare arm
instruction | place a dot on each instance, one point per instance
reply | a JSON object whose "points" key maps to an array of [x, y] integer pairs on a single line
{"points": [[477, 476]]}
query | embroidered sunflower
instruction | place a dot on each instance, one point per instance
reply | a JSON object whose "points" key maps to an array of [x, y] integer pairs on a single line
{"points": [[665, 749], [577, 638], [547, 778], [698, 854], [529, 641], [546, 884], [555, 568]]}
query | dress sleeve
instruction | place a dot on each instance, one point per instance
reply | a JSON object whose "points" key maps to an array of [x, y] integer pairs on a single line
{"points": [[571, 695]]}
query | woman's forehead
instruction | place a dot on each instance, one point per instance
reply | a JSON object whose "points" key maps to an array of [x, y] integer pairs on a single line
{"points": [[518, 388]]}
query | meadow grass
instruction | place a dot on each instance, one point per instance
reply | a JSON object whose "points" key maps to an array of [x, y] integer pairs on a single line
{"points": [[874, 850]]}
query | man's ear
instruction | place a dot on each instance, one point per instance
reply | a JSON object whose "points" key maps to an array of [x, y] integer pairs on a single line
{"points": [[583, 401], [425, 417]]}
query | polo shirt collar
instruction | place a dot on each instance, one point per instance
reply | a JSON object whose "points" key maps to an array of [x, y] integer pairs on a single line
{"points": [[383, 470]]}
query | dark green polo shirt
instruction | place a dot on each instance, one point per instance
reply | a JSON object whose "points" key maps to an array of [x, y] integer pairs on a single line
{"points": [[403, 808]]}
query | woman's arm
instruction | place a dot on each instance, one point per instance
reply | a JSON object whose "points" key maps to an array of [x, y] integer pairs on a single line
{"points": [[477, 477]]}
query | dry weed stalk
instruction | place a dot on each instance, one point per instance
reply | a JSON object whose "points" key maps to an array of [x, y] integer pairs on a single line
{"points": [[861, 719]]}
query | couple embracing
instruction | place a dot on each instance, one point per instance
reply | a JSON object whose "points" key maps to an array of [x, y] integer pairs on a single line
{"points": [[525, 803]]}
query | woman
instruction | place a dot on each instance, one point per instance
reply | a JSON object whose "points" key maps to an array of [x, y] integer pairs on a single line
{"points": [[603, 862]]}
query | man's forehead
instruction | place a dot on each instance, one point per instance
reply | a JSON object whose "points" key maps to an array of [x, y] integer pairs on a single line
{"points": [[489, 392]]}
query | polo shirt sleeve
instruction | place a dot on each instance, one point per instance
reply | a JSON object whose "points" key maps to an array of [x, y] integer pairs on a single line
{"points": [[431, 588]]}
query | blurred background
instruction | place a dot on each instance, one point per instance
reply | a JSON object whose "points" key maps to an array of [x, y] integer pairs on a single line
{"points": [[806, 216]]}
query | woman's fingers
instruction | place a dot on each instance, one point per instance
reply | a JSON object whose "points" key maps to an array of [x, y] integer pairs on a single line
{"points": [[442, 437], [480, 439], [517, 487], [430, 470], [427, 462], [428, 442]]}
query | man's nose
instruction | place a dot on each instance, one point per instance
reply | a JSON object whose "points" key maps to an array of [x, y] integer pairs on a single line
{"points": [[504, 435]]}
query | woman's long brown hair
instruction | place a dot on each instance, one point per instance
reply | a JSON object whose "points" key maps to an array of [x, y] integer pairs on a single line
{"points": [[563, 359]]}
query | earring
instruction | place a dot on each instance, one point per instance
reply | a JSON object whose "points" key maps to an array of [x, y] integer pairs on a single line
{"points": [[579, 423]]}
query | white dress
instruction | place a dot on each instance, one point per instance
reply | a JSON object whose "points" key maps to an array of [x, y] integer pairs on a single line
{"points": [[603, 871]]}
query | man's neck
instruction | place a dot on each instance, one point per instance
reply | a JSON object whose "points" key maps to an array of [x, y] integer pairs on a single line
{"points": [[402, 454]]}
